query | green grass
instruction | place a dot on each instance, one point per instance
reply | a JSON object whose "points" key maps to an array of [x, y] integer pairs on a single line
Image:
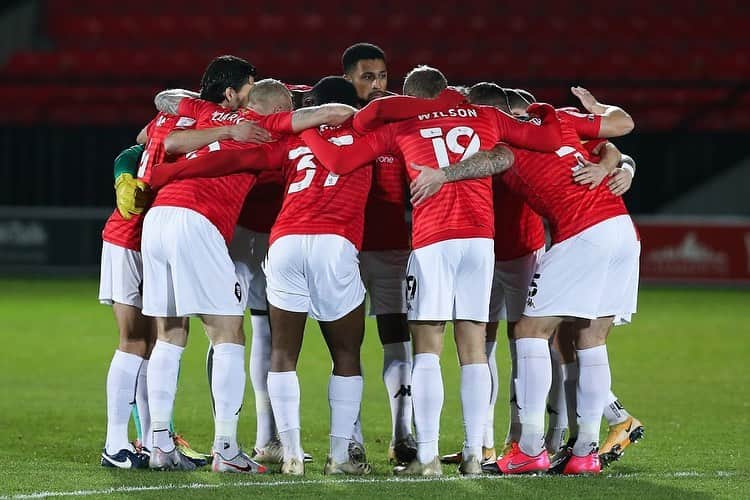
{"points": [[681, 368]]}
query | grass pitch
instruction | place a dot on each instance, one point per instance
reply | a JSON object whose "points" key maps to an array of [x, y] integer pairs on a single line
{"points": [[681, 368]]}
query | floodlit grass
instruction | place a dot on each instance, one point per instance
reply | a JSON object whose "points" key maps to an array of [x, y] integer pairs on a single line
{"points": [[681, 368]]}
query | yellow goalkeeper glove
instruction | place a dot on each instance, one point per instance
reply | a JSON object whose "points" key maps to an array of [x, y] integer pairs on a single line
{"points": [[132, 195]]}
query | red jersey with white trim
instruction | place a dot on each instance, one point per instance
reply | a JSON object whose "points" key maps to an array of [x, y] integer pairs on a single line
{"points": [[519, 230], [460, 209], [385, 219], [317, 201], [219, 199], [127, 233], [546, 183]]}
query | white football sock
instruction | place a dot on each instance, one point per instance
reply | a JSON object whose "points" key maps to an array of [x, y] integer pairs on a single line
{"points": [[163, 368], [260, 363], [556, 407], [357, 435], [283, 389], [594, 381], [514, 425], [228, 389], [570, 384], [344, 398], [489, 429], [141, 401], [397, 367], [532, 386], [427, 396], [121, 383], [614, 412], [475, 400]]}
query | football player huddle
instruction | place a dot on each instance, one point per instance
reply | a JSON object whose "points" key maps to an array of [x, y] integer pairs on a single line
{"points": [[291, 201]]}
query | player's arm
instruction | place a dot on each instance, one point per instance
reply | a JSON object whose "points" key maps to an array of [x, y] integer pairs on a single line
{"points": [[218, 164], [400, 107], [185, 141], [168, 101], [340, 160], [592, 174], [622, 178], [541, 134], [131, 193], [142, 137], [481, 164], [615, 121], [314, 116]]}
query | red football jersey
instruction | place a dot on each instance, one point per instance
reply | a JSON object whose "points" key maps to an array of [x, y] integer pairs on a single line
{"points": [[461, 209], [127, 233], [545, 181], [385, 213], [317, 201], [518, 229], [219, 199]]}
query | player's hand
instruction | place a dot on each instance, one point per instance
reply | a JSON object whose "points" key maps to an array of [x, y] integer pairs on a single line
{"points": [[132, 195], [587, 99], [248, 131], [620, 181], [336, 114], [428, 182], [591, 174]]}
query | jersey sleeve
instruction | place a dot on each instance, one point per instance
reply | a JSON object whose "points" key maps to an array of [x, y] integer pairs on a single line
{"points": [[342, 160], [280, 123], [217, 164], [190, 107], [587, 125], [538, 135], [400, 107]]}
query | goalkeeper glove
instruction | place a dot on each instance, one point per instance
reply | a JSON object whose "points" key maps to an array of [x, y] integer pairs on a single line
{"points": [[132, 195]]}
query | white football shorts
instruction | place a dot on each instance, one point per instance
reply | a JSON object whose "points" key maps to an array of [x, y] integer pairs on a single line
{"points": [[314, 273], [590, 275], [449, 280], [186, 266], [510, 286], [383, 273], [121, 277], [248, 250]]}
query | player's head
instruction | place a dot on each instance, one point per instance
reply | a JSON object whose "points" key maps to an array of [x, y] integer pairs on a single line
{"points": [[227, 81], [424, 81], [489, 94], [332, 89], [364, 66], [269, 96], [526, 95]]}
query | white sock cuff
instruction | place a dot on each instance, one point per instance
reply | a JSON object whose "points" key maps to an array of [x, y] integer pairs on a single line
{"points": [[287, 382], [229, 349], [474, 369], [426, 360], [398, 351], [127, 362], [593, 356], [345, 388], [532, 348], [170, 349]]}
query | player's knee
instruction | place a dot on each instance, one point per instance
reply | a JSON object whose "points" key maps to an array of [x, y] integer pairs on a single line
{"points": [[531, 328]]}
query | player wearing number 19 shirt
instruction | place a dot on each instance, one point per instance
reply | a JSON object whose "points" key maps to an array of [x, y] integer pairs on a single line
{"points": [[450, 270]]}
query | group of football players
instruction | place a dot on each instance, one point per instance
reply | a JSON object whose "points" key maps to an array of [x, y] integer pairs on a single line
{"points": [[291, 201]]}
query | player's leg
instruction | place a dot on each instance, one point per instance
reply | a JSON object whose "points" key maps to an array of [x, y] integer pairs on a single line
{"points": [[288, 304], [283, 384], [383, 274], [557, 412], [475, 389], [565, 342], [121, 275], [488, 442], [344, 340], [472, 304]]}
